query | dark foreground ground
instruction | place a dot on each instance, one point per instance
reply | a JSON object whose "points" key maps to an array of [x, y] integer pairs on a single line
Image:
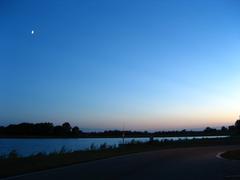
{"points": [[198, 163]]}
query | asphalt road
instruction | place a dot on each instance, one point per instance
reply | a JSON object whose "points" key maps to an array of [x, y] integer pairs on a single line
{"points": [[198, 163]]}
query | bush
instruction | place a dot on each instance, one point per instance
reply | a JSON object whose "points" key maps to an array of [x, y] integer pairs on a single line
{"points": [[13, 154], [103, 146], [63, 150], [40, 154], [93, 147], [2, 157]]}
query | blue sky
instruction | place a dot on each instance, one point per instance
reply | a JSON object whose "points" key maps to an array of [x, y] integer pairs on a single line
{"points": [[151, 65]]}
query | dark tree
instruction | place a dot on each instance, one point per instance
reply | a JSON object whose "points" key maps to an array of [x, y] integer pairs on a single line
{"points": [[209, 130], [59, 131], [22, 129], [76, 131], [224, 129], [45, 129], [237, 124], [40, 129], [67, 126]]}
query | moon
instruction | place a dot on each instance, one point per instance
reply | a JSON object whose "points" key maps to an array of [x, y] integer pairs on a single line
{"points": [[32, 32]]}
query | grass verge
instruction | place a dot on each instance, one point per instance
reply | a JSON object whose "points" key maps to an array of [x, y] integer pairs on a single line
{"points": [[232, 155], [13, 164]]}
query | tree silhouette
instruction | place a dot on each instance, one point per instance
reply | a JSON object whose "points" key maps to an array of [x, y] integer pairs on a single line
{"points": [[66, 128], [237, 124], [76, 131]]}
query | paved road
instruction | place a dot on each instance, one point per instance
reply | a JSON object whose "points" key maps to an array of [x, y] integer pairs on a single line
{"points": [[187, 164]]}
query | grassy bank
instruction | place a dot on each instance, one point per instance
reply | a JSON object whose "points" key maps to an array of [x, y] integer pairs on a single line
{"points": [[12, 164], [232, 155]]}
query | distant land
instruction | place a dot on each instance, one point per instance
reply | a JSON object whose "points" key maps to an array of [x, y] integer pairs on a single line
{"points": [[48, 130]]}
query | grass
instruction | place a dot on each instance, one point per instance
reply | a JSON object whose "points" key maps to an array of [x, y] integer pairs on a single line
{"points": [[13, 164], [232, 155]]}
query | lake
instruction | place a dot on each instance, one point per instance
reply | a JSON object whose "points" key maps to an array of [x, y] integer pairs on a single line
{"points": [[26, 147]]}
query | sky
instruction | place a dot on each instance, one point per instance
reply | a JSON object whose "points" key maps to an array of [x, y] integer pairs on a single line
{"points": [[109, 64]]}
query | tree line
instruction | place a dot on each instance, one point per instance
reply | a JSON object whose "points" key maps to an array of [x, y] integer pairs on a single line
{"points": [[40, 129], [66, 130]]}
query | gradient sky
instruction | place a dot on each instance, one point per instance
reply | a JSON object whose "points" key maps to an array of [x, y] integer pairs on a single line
{"points": [[144, 64]]}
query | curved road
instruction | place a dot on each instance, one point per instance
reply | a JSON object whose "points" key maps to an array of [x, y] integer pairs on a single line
{"points": [[199, 163]]}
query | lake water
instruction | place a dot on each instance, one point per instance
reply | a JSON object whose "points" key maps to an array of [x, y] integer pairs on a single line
{"points": [[27, 147]]}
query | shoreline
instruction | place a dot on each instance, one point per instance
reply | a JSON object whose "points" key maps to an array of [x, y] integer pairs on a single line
{"points": [[92, 137]]}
